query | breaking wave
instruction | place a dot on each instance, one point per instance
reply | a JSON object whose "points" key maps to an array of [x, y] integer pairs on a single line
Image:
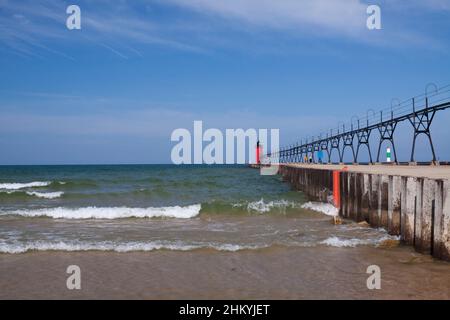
{"points": [[109, 213], [70, 246], [15, 247], [341, 242], [18, 186], [262, 206], [24, 195], [246, 207], [45, 195], [325, 208]]}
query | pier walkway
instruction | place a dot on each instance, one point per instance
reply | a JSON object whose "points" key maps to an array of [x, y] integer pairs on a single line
{"points": [[430, 171]]}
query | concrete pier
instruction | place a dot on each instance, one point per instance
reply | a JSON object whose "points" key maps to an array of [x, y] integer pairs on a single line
{"points": [[412, 202]]}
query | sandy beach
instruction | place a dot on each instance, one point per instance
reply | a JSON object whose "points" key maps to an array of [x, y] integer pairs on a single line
{"points": [[274, 273]]}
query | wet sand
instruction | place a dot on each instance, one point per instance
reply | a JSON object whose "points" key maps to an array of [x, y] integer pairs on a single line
{"points": [[273, 273]]}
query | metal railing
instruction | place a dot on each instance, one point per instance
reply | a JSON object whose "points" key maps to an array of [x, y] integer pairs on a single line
{"points": [[419, 111]]}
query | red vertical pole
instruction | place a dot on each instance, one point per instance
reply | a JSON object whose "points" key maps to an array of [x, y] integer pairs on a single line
{"points": [[336, 189]]}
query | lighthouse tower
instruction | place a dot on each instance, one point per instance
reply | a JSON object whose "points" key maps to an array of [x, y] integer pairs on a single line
{"points": [[259, 151]]}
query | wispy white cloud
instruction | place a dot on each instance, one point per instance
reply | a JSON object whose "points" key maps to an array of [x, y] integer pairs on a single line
{"points": [[126, 28], [114, 51], [28, 26], [336, 19], [336, 16]]}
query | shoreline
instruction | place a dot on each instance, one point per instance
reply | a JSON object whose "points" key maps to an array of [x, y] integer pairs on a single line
{"points": [[271, 273]]}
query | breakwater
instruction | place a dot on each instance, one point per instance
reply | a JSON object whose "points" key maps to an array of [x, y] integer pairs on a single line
{"points": [[410, 202]]}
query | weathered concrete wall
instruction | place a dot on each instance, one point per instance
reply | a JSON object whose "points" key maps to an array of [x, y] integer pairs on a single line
{"points": [[416, 209]]}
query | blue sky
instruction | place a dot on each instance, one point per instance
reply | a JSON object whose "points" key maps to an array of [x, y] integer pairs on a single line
{"points": [[114, 91]]}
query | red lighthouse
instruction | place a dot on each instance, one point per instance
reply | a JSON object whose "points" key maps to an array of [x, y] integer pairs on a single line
{"points": [[259, 151]]}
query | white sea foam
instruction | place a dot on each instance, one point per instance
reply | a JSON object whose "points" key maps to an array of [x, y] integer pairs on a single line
{"points": [[17, 186], [18, 247], [325, 208], [46, 195], [109, 213], [340, 242], [261, 206]]}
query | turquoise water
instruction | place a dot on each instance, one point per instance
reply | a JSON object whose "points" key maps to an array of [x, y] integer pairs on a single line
{"points": [[153, 207], [137, 186]]}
